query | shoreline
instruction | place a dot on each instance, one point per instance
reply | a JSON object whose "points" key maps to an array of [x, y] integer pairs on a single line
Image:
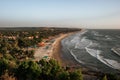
{"points": [[58, 54], [55, 51]]}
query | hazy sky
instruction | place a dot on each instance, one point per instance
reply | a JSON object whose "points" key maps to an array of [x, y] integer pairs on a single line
{"points": [[70, 13]]}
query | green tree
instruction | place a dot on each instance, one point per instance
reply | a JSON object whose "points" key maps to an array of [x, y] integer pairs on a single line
{"points": [[3, 66], [50, 69], [104, 78], [76, 75], [112, 76], [30, 53], [55, 68], [28, 71], [22, 43], [64, 75], [46, 69]]}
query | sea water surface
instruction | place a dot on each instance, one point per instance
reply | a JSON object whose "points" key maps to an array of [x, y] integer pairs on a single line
{"points": [[92, 48]]}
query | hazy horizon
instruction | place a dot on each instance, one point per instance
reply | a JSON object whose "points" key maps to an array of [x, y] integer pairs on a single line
{"points": [[102, 14]]}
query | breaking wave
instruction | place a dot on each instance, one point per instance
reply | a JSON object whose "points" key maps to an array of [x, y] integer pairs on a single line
{"points": [[94, 45], [96, 53], [75, 57]]}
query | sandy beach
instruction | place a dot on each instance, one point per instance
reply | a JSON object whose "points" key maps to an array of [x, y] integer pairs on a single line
{"points": [[57, 53], [52, 49], [65, 59]]}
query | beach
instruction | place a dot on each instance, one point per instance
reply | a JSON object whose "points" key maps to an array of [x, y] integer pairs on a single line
{"points": [[57, 52], [53, 49]]}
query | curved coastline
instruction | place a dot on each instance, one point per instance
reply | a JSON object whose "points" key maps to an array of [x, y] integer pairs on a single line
{"points": [[53, 49], [58, 53], [64, 58]]}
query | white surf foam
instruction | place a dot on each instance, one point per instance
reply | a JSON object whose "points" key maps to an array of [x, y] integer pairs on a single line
{"points": [[96, 33], [75, 56], [82, 43], [75, 39], [96, 53], [92, 52], [113, 63], [107, 37], [116, 50]]}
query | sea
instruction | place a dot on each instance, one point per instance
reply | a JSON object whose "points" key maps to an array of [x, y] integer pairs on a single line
{"points": [[92, 48]]}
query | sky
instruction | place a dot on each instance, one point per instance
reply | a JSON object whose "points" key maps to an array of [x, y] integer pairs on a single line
{"points": [[60, 13]]}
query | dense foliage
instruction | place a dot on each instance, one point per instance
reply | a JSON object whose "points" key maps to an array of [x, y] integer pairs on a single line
{"points": [[42, 70]]}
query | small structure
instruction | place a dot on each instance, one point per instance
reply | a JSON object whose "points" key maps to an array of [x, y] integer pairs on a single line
{"points": [[46, 57], [41, 44], [30, 37]]}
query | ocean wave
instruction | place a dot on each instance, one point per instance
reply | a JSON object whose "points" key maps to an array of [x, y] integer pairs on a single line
{"points": [[107, 37], [92, 52], [116, 50], [96, 33], [75, 56], [92, 46], [82, 43], [118, 36], [96, 53], [113, 63], [75, 39]]}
